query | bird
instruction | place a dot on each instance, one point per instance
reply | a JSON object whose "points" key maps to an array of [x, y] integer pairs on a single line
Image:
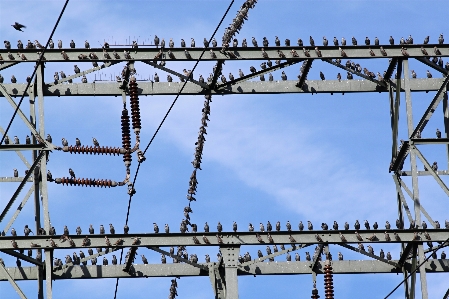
{"points": [[325, 41], [254, 41], [318, 52], [322, 76], [301, 226], [250, 228], [206, 228], [261, 227], [78, 231], [16, 140], [235, 42], [367, 41], [64, 142], [72, 44], [440, 39], [183, 43], [144, 259], [265, 42], [102, 229], [72, 173], [7, 44], [16, 173], [308, 256], [438, 133], [389, 256], [342, 237], [443, 255], [367, 224], [309, 225], [192, 43], [169, 78], [64, 55], [396, 237], [343, 41], [219, 227], [335, 41], [18, 26], [214, 42], [288, 257], [234, 226], [339, 77], [354, 41], [252, 69], [13, 79], [289, 226], [359, 237], [76, 69], [241, 73], [283, 76], [77, 142], [312, 42]]}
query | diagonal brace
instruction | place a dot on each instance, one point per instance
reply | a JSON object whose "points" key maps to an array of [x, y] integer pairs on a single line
{"points": [[431, 171], [22, 184], [390, 69], [97, 68], [13, 283], [261, 72], [155, 65], [369, 254], [23, 257], [398, 184], [432, 65], [19, 209], [179, 258], [420, 206], [355, 73], [303, 76], [431, 109], [410, 246], [21, 156]]}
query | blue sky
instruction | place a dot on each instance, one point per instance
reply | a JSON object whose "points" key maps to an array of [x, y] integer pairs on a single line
{"points": [[267, 157]]}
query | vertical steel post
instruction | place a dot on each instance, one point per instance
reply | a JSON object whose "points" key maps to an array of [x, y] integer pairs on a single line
{"points": [[230, 260], [37, 204], [414, 169], [446, 120], [43, 185]]}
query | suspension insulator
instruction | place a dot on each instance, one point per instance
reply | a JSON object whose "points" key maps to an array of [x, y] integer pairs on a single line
{"points": [[328, 281], [94, 150], [315, 294], [126, 137], [135, 110], [85, 182]]}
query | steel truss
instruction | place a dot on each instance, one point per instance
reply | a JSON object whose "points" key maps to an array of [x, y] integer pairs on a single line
{"points": [[223, 275]]}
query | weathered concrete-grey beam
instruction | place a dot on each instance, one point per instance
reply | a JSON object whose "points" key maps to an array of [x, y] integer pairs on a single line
{"points": [[248, 53], [247, 87], [183, 270], [228, 238]]}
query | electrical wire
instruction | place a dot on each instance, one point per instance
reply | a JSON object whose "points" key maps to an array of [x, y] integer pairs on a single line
{"points": [[34, 72], [160, 125], [411, 273]]}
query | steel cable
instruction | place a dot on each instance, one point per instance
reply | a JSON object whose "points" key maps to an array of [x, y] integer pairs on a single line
{"points": [[160, 125]]}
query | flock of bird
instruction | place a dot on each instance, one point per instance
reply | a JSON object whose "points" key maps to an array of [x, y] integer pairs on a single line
{"points": [[350, 66], [182, 252]]}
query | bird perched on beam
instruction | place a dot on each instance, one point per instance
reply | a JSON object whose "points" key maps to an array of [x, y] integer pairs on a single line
{"points": [[18, 26]]}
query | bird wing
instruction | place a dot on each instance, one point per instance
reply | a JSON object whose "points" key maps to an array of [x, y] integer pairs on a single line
{"points": [[20, 25]]}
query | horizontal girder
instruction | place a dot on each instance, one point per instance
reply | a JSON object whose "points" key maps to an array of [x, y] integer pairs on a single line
{"points": [[183, 270], [238, 53], [248, 87], [230, 238]]}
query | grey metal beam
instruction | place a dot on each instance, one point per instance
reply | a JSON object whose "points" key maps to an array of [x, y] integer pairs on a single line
{"points": [[446, 121], [421, 206], [13, 179], [80, 74], [258, 73], [391, 68], [20, 187], [243, 238], [184, 270], [423, 173], [19, 209], [427, 62], [174, 256], [431, 109], [431, 171], [362, 75], [23, 257], [370, 255], [230, 259], [21, 156], [12, 281], [303, 76], [23, 147], [129, 261], [25, 120], [247, 87], [406, 252], [430, 141], [247, 53], [7, 65], [163, 68], [398, 183], [218, 71]]}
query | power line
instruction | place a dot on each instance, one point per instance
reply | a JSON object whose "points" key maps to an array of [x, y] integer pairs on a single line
{"points": [[34, 72], [160, 125]]}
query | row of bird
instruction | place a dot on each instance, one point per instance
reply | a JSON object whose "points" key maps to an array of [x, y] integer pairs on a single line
{"points": [[181, 254], [229, 33], [262, 228]]}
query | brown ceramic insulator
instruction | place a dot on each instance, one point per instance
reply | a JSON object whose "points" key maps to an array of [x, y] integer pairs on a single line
{"points": [[126, 138], [94, 150], [328, 281], [135, 110], [85, 182], [315, 294]]}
